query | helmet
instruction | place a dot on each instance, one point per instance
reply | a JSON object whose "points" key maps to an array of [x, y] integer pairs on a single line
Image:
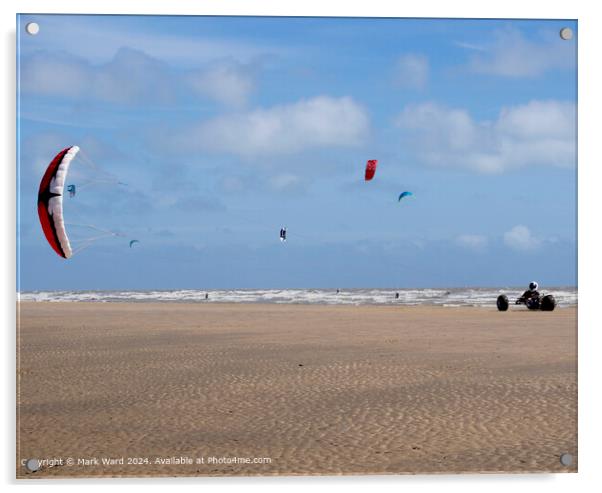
{"points": [[533, 286]]}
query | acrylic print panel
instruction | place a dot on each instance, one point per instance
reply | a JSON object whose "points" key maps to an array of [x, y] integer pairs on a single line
{"points": [[258, 246]]}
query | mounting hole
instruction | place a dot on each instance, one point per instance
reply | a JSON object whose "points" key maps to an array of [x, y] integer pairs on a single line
{"points": [[566, 459], [32, 465], [32, 28], [566, 33]]}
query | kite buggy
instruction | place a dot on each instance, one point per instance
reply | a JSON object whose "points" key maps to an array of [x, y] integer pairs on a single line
{"points": [[531, 298]]}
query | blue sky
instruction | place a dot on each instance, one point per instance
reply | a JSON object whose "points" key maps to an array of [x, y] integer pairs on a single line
{"points": [[226, 129]]}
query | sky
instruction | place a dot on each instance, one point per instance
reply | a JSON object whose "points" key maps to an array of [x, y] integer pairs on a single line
{"points": [[202, 136]]}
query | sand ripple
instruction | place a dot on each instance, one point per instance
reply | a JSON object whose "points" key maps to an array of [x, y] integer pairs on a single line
{"points": [[319, 390]]}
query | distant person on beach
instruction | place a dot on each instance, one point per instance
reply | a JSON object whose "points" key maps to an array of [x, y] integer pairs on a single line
{"points": [[206, 296], [396, 296], [338, 290]]}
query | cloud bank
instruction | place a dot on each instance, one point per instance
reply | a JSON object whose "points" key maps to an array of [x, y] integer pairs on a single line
{"points": [[307, 124], [537, 133], [133, 78]]}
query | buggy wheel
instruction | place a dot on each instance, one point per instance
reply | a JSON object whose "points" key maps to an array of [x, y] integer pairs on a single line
{"points": [[502, 302], [548, 303]]}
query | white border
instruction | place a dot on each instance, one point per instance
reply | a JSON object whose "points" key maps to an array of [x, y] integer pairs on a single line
{"points": [[590, 85]]}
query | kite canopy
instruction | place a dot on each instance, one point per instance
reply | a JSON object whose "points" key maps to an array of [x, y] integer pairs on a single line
{"points": [[133, 242], [371, 169], [404, 194], [50, 201]]}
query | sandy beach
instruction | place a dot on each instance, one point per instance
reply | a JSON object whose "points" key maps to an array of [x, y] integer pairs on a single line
{"points": [[293, 389]]}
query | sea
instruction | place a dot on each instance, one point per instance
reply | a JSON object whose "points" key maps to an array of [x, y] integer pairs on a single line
{"points": [[453, 297]]}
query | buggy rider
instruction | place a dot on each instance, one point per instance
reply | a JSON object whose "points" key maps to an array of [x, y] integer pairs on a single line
{"points": [[531, 296]]}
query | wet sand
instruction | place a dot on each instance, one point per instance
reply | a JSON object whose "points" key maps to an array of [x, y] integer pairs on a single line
{"points": [[314, 389]]}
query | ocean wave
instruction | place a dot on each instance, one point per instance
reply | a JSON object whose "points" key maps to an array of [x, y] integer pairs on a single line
{"points": [[565, 296]]}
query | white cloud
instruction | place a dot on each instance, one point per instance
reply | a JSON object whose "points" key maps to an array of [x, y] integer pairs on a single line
{"points": [[538, 119], [131, 77], [510, 54], [227, 82], [520, 238], [537, 133], [412, 70], [313, 123], [472, 242]]}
